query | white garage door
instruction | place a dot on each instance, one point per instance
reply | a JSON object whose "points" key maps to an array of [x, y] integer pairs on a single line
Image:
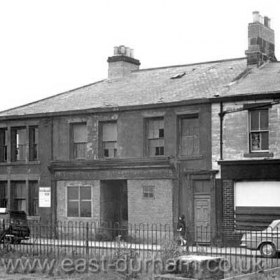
{"points": [[258, 194]]}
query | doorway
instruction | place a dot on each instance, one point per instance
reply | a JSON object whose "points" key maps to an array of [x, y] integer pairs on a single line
{"points": [[113, 206]]}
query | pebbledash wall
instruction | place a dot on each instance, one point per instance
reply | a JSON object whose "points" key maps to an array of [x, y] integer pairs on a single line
{"points": [[240, 167]]}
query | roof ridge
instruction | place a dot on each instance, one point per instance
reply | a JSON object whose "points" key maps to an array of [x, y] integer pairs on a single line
{"points": [[191, 64], [49, 97]]}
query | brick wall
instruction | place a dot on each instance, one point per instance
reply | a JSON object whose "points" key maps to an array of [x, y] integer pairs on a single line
{"points": [[228, 205], [148, 213], [157, 210]]}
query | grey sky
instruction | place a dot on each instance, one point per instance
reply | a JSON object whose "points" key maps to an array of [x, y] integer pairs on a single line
{"points": [[51, 46]]}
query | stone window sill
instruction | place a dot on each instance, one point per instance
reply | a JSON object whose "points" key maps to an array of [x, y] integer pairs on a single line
{"points": [[258, 155]]}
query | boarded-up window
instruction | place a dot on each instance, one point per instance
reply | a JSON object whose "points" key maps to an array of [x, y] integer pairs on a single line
{"points": [[3, 144], [79, 201], [155, 135], [189, 136], [259, 130], [79, 140], [33, 143], [109, 139]]}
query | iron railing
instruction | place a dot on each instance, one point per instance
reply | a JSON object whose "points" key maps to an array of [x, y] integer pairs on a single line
{"points": [[252, 251]]}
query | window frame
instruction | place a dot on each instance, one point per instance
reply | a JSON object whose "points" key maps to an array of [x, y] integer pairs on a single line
{"points": [[15, 145], [4, 199], [28, 195], [33, 198], [33, 144], [147, 139], [148, 192], [23, 197], [259, 131], [4, 146], [79, 201], [73, 152], [102, 143]]}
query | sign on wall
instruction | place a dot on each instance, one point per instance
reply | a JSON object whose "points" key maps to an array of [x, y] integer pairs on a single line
{"points": [[45, 197]]}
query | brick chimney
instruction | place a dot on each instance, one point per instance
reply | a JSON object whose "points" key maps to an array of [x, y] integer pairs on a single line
{"points": [[122, 63], [260, 41]]}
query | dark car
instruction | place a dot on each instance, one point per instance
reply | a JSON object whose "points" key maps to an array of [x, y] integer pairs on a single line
{"points": [[13, 227], [267, 241]]}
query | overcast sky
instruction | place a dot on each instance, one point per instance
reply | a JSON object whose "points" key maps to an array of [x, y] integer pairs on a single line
{"points": [[51, 46]]}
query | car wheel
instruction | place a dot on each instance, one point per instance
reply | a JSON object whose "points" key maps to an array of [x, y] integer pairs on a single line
{"points": [[268, 250]]}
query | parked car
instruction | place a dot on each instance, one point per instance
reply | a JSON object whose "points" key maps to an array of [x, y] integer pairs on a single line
{"points": [[13, 226], [267, 240]]}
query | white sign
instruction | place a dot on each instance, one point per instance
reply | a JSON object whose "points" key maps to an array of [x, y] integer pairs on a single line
{"points": [[45, 197]]}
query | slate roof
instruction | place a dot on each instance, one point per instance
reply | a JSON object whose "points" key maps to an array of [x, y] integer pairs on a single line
{"points": [[147, 86], [265, 79]]}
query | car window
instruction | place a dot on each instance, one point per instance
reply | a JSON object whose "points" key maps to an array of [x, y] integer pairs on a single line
{"points": [[277, 227]]}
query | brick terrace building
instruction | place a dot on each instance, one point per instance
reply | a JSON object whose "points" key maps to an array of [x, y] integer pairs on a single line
{"points": [[133, 148]]}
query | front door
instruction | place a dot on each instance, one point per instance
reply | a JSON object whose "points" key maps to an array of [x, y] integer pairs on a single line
{"points": [[202, 218]]}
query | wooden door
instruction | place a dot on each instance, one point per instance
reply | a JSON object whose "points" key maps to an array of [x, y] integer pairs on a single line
{"points": [[202, 219]]}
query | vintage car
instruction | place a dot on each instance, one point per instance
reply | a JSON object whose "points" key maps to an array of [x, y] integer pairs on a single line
{"points": [[13, 226], [267, 240]]}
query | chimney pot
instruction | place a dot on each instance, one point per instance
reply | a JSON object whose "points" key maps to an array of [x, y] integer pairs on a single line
{"points": [[132, 53], [256, 16], [128, 52], [266, 21], [122, 50]]}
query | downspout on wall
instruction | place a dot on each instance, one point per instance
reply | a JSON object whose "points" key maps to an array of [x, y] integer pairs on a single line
{"points": [[221, 114]]}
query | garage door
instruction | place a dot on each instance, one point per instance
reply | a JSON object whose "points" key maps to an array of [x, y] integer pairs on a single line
{"points": [[256, 203]]}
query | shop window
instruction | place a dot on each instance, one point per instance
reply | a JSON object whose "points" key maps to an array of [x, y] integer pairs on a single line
{"points": [[155, 137], [189, 135], [3, 144], [148, 192], [259, 135], [33, 143], [78, 140], [18, 144], [3, 194], [79, 201], [109, 139]]}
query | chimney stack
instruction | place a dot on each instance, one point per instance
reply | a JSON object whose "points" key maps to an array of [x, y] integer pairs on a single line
{"points": [[261, 45], [122, 63]]}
